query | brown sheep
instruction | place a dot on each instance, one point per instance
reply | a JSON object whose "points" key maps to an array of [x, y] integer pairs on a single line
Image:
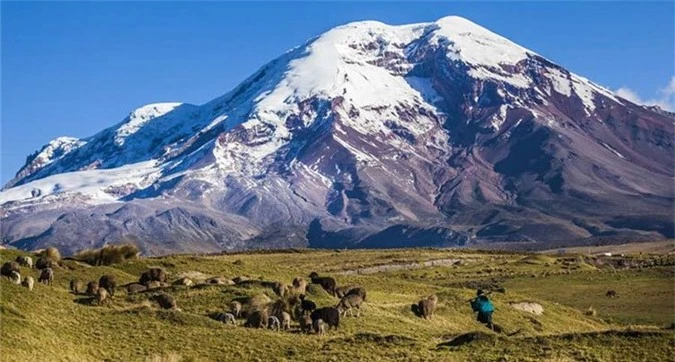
{"points": [[134, 288], [8, 268], [279, 289], [285, 321], [358, 290], [349, 303], [257, 319], [611, 294], [165, 301], [102, 296], [92, 288], [299, 285], [109, 283], [235, 308], [28, 282], [153, 274], [343, 290], [155, 284], [428, 306], [305, 323], [46, 276], [76, 286]]}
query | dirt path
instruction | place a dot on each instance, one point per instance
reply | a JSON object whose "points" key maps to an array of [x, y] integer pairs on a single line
{"points": [[404, 266]]}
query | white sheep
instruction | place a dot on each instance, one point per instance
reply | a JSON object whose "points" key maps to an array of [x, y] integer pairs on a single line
{"points": [[15, 278], [28, 282], [273, 323]]}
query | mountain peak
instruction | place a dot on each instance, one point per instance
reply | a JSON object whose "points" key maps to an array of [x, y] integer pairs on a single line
{"points": [[367, 132]]}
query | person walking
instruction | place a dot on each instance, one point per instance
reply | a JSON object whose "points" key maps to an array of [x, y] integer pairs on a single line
{"points": [[484, 307]]}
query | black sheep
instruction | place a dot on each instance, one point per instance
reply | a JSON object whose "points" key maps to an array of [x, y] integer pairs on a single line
{"points": [[109, 283], [327, 283], [44, 263], [9, 267], [330, 316], [306, 305]]}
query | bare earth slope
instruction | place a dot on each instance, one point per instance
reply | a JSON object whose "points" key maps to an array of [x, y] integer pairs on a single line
{"points": [[370, 135]]}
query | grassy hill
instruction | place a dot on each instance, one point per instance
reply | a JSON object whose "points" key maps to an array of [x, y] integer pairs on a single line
{"points": [[51, 324]]}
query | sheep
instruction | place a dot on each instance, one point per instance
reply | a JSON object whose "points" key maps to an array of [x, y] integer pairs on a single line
{"points": [[155, 284], [92, 288], [305, 323], [9, 267], [46, 276], [108, 282], [227, 318], [25, 260], [15, 278], [319, 326], [102, 296], [299, 285], [45, 262], [240, 279], [279, 289], [28, 282], [358, 290], [257, 319], [343, 290], [184, 281], [351, 289], [327, 283], [153, 274], [330, 316], [426, 307], [164, 300], [273, 323], [306, 305], [285, 321], [611, 294], [349, 303], [76, 286], [235, 308], [134, 288]]}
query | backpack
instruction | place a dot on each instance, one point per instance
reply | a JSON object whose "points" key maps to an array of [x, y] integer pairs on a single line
{"points": [[482, 304]]}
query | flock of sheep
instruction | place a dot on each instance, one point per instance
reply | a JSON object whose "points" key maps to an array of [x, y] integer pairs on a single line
{"points": [[258, 312], [12, 270]]}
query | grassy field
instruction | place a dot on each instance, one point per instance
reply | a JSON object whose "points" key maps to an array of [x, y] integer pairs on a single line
{"points": [[52, 324]]}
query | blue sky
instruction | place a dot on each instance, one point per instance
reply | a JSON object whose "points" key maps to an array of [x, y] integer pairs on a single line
{"points": [[74, 68]]}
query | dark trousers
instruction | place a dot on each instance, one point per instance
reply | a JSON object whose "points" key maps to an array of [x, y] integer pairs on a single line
{"points": [[485, 318]]}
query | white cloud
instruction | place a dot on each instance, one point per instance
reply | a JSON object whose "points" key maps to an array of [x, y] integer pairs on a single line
{"points": [[665, 96]]}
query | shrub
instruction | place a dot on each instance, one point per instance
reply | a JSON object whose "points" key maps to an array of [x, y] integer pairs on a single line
{"points": [[108, 255], [51, 253]]}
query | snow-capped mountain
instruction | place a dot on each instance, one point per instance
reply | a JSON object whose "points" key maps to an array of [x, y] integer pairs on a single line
{"points": [[369, 135]]}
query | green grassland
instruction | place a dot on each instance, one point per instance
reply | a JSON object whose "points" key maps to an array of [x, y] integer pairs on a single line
{"points": [[51, 324]]}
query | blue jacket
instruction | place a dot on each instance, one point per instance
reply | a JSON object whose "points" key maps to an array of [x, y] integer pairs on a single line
{"points": [[482, 304]]}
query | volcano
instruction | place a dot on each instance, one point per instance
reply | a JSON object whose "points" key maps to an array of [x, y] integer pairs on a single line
{"points": [[369, 135]]}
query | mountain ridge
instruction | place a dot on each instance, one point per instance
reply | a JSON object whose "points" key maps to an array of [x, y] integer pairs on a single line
{"points": [[367, 132]]}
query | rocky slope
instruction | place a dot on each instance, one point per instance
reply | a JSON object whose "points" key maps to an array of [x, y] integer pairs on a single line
{"points": [[370, 135]]}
